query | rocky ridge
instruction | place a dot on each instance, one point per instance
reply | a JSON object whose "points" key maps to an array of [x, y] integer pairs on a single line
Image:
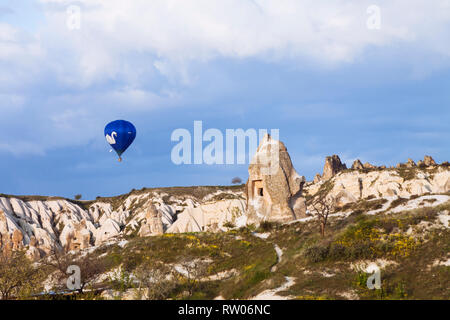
{"points": [[363, 181], [37, 224], [40, 224]]}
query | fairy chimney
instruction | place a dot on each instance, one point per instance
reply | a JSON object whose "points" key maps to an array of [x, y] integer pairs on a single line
{"points": [[357, 165], [333, 166], [17, 239], [274, 188], [153, 224], [429, 161], [80, 238]]}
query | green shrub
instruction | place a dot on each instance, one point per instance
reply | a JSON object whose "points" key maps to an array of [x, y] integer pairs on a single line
{"points": [[229, 225], [121, 280], [267, 226], [317, 253]]}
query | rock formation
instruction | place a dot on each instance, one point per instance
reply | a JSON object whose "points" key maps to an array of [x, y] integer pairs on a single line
{"points": [[79, 237], [367, 165], [333, 166], [317, 178], [274, 188], [273, 192], [211, 216], [17, 240], [410, 163], [33, 252], [44, 223], [353, 185], [357, 165], [153, 223], [429, 161], [109, 229]]}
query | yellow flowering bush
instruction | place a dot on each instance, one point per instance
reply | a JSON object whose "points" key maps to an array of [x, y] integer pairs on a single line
{"points": [[376, 241], [309, 297], [168, 235], [402, 245]]}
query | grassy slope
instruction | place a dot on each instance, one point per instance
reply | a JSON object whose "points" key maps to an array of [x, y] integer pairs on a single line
{"points": [[367, 238], [306, 256], [250, 256]]}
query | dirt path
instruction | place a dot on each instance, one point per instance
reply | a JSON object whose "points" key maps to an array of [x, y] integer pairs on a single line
{"points": [[272, 294]]}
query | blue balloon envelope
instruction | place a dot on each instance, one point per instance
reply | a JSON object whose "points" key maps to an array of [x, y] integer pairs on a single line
{"points": [[120, 135]]}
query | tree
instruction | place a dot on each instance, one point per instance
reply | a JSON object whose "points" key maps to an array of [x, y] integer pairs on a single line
{"points": [[18, 277], [236, 180], [193, 270], [322, 205], [156, 280], [90, 267], [78, 196], [59, 262]]}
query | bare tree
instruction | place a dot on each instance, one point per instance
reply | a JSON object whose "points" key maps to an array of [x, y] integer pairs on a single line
{"points": [[192, 270], [156, 281], [18, 277], [321, 208], [90, 267], [59, 261]]}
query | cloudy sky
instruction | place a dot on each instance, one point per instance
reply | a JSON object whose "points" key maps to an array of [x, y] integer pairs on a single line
{"points": [[324, 73]]}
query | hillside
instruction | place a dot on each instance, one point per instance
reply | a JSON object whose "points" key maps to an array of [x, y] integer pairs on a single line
{"points": [[292, 261], [208, 248]]}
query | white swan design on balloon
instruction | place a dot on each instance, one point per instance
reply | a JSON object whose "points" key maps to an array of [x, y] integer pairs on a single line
{"points": [[111, 138]]}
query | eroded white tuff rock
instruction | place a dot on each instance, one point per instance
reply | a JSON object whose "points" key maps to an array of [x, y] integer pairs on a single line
{"points": [[333, 166], [351, 186], [39, 225], [410, 163], [429, 161], [357, 165], [153, 223], [274, 188], [317, 178], [277, 195], [210, 216]]}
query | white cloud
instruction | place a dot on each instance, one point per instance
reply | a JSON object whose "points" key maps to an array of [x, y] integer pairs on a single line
{"points": [[132, 43], [175, 32]]}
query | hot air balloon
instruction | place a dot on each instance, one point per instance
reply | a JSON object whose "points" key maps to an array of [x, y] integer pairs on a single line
{"points": [[120, 135]]}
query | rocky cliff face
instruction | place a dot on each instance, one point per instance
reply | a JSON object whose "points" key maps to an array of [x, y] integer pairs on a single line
{"points": [[352, 185], [39, 225], [211, 216], [333, 166]]}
